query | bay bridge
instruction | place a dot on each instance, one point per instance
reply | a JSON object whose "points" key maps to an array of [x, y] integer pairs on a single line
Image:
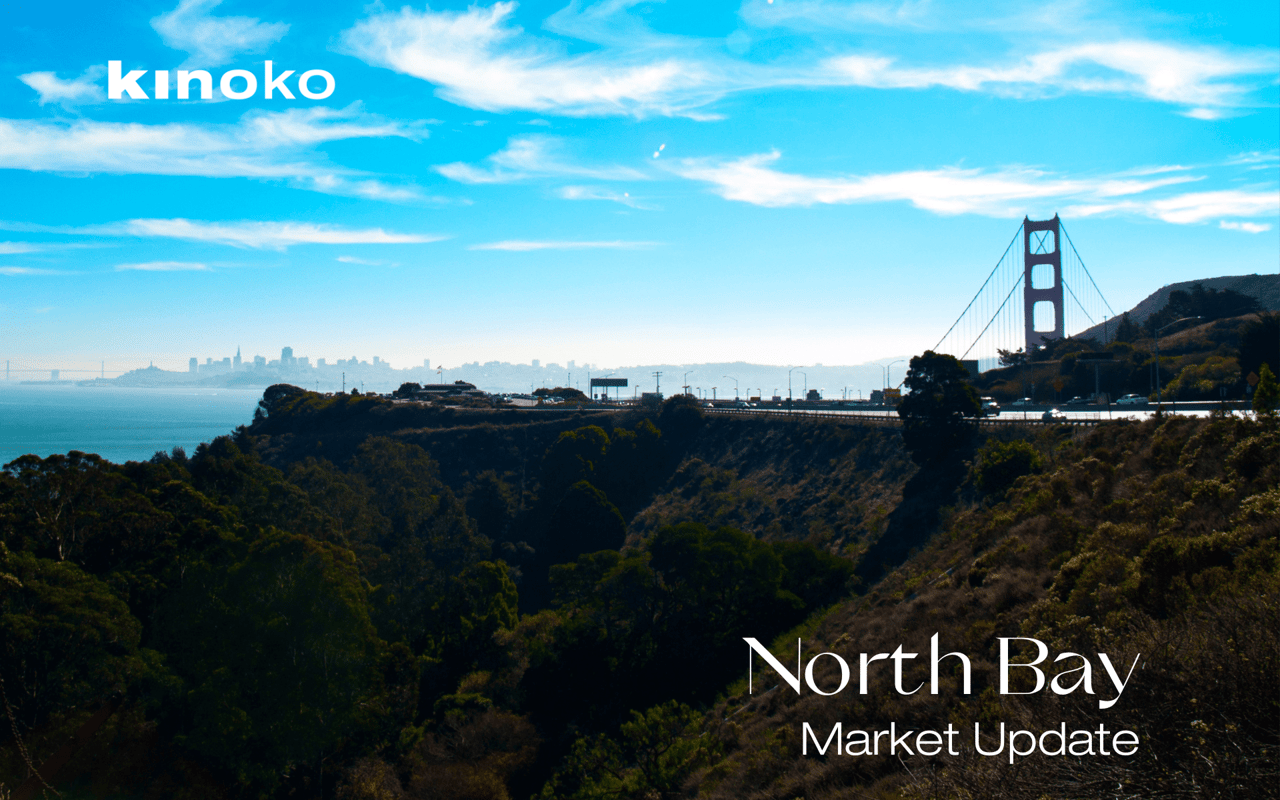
{"points": [[1059, 298]]}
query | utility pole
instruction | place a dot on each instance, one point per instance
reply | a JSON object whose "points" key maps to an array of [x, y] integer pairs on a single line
{"points": [[657, 385]]}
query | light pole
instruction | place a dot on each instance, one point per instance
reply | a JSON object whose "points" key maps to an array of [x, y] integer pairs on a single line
{"points": [[685, 380], [789, 382], [806, 385], [713, 394], [1162, 330], [735, 385]]}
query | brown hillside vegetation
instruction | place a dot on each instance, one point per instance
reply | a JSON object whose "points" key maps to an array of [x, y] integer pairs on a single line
{"points": [[1157, 539]]}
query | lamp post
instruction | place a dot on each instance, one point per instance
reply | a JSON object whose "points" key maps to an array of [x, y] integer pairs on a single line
{"points": [[789, 383], [735, 385], [685, 380], [806, 385], [889, 371], [1162, 330]]}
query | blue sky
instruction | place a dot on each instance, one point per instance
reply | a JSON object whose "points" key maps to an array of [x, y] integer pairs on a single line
{"points": [[784, 181]]}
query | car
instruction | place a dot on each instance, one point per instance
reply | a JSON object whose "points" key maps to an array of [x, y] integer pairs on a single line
{"points": [[990, 407], [1079, 401], [1053, 415], [1132, 400], [1022, 402]]}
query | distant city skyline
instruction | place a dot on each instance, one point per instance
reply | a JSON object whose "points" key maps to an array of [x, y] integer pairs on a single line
{"points": [[784, 182]]}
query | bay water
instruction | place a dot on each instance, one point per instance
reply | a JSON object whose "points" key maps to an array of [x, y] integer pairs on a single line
{"points": [[118, 424]]}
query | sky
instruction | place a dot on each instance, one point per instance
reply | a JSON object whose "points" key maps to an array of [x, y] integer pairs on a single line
{"points": [[773, 181]]}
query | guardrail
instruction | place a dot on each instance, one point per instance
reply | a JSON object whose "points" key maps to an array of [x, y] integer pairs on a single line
{"points": [[888, 418]]}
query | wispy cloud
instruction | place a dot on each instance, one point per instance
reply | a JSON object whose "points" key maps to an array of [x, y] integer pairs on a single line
{"points": [[262, 145], [600, 193], [9, 248], [248, 234], [366, 262], [163, 266], [949, 190], [32, 271], [1203, 79], [1246, 227], [479, 59], [1193, 207], [523, 246], [211, 40], [265, 235], [532, 156], [68, 93]]}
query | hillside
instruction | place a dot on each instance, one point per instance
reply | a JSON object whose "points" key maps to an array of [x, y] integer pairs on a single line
{"points": [[357, 599], [1263, 288]]}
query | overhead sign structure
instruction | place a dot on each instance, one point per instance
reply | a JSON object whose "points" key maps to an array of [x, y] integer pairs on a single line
{"points": [[607, 384]]}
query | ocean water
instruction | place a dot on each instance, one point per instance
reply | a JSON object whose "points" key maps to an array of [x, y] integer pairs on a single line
{"points": [[116, 423]]}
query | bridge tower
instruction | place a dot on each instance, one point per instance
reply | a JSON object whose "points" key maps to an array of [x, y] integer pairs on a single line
{"points": [[1042, 282]]}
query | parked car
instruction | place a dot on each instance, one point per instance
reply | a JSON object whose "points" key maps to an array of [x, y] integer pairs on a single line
{"points": [[1079, 401], [1132, 400]]}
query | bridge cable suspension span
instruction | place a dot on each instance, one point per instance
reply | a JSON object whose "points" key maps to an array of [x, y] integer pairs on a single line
{"points": [[979, 294]]}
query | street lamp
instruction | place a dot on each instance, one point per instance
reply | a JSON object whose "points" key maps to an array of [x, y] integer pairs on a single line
{"points": [[789, 383], [806, 385], [1162, 330], [735, 385], [685, 379], [889, 371]]}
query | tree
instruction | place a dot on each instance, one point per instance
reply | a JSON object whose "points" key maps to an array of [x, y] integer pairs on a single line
{"points": [[1126, 331], [1266, 397], [999, 464], [1260, 344], [1012, 358], [65, 638], [277, 654], [583, 522], [933, 414]]}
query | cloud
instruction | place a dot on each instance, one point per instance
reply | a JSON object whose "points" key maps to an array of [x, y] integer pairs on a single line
{"points": [[248, 234], [68, 93], [477, 58], [600, 193], [262, 235], [1189, 76], [822, 15], [262, 145], [949, 190], [211, 40], [364, 262], [531, 156], [1193, 207], [164, 266], [1247, 227], [9, 248], [31, 271], [519, 246]]}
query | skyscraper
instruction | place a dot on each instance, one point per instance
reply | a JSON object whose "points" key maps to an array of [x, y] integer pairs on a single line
{"points": [[235, 362]]}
